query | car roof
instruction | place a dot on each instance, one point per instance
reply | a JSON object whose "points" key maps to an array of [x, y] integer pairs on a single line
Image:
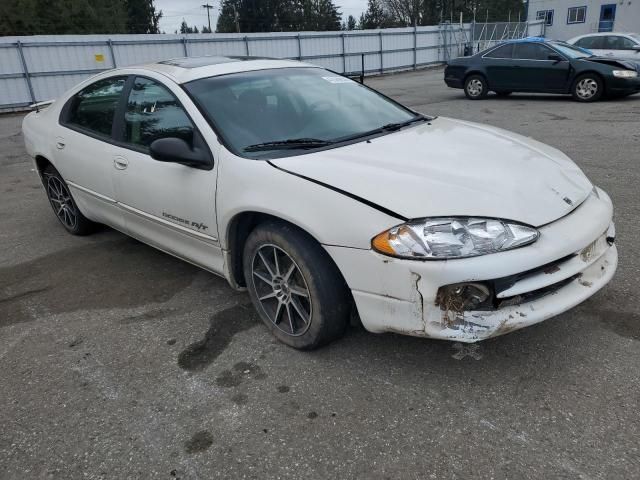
{"points": [[186, 69], [602, 34]]}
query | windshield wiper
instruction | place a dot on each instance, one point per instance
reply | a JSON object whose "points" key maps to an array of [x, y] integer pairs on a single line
{"points": [[291, 143], [397, 126], [389, 127]]}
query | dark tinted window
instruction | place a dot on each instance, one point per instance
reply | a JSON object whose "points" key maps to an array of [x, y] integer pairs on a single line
{"points": [[505, 51], [613, 42], [152, 113], [531, 51], [94, 107], [591, 43]]}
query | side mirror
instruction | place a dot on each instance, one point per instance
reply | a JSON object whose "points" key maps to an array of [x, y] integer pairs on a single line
{"points": [[636, 48], [555, 57], [176, 150]]}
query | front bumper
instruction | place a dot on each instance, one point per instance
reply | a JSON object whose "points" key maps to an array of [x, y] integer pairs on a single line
{"points": [[394, 295], [623, 85]]}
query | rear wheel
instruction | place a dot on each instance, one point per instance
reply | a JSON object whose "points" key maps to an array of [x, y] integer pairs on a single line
{"points": [[475, 87], [295, 286], [63, 204], [587, 88]]}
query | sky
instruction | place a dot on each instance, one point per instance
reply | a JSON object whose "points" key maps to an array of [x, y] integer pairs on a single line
{"points": [[173, 11]]}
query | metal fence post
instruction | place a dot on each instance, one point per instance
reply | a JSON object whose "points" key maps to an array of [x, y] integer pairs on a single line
{"points": [[113, 56], [246, 45], [344, 55], [299, 48], [25, 70], [184, 46], [415, 47], [381, 54]]}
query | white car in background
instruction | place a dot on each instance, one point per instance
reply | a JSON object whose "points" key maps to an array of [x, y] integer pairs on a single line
{"points": [[319, 195], [618, 45]]}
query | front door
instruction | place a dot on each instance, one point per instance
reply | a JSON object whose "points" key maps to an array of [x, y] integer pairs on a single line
{"points": [[607, 17], [536, 72], [168, 205]]}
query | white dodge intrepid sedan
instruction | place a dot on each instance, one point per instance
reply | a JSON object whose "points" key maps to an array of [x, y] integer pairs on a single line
{"points": [[323, 197]]}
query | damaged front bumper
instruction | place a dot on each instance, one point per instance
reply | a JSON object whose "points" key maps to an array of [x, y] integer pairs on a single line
{"points": [[574, 258]]}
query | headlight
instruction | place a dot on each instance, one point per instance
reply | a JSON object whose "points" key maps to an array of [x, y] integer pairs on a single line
{"points": [[625, 73], [443, 238]]}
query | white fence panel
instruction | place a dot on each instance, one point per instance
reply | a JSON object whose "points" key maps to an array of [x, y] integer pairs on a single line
{"points": [[228, 47]]}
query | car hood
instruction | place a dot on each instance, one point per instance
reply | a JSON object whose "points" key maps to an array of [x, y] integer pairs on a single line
{"points": [[615, 62], [451, 167]]}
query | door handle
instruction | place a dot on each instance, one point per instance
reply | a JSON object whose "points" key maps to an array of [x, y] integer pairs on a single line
{"points": [[120, 163]]}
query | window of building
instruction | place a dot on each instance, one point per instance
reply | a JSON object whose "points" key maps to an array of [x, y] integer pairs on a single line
{"points": [[577, 15], [546, 15]]}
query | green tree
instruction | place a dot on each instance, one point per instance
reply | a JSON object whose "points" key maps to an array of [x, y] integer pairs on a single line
{"points": [[277, 15], [184, 28], [142, 16], [41, 17], [376, 16], [350, 24]]}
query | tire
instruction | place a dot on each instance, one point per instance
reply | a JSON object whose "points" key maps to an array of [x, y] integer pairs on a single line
{"points": [[302, 299], [503, 93], [587, 88], [63, 204], [476, 87]]}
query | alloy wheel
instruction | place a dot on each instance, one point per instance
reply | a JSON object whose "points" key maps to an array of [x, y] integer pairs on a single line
{"points": [[281, 290], [586, 88], [475, 87], [62, 203]]}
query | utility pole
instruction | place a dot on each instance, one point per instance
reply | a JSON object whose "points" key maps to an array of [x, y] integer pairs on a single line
{"points": [[208, 7], [236, 16]]}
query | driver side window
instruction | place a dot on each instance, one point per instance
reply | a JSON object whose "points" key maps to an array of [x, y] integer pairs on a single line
{"points": [[153, 112]]}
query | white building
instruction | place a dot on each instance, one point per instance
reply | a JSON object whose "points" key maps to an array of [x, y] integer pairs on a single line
{"points": [[567, 18]]}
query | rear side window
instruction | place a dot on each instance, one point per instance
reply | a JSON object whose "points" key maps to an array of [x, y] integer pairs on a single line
{"points": [[591, 43], [93, 108], [505, 51], [531, 51], [618, 43], [153, 112]]}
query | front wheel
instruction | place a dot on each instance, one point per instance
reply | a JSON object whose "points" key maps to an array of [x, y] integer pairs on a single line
{"points": [[63, 204], [475, 87], [587, 88], [294, 285]]}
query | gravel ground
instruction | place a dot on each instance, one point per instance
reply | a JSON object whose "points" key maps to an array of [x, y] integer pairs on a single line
{"points": [[118, 361]]}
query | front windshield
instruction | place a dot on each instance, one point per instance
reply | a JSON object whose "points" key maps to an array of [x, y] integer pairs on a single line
{"points": [[312, 105], [571, 51]]}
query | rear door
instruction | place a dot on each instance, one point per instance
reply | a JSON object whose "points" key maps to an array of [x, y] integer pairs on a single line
{"points": [[621, 47], [168, 205], [535, 71], [84, 148]]}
